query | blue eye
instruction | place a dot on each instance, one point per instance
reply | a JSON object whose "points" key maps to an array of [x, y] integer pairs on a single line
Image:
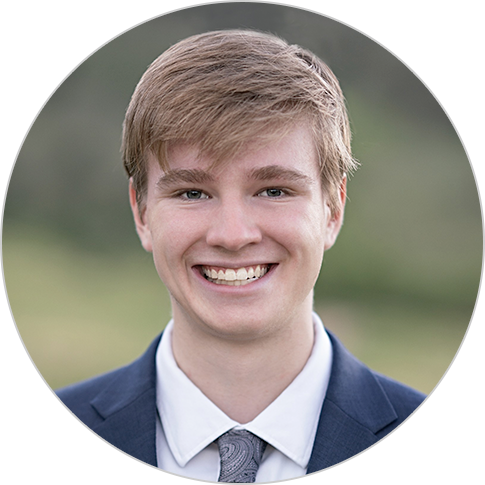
{"points": [[272, 193], [194, 194]]}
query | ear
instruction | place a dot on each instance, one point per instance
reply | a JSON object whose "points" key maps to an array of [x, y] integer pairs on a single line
{"points": [[335, 220], [139, 214]]}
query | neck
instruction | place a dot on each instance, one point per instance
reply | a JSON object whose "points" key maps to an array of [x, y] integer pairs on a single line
{"points": [[243, 377]]}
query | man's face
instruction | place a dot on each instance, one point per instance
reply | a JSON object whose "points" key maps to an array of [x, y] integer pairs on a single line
{"points": [[240, 246]]}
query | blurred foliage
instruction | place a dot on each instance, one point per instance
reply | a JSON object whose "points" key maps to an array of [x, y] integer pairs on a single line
{"points": [[408, 257], [81, 313]]}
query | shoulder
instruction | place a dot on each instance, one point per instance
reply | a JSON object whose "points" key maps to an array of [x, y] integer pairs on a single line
{"points": [[399, 392], [375, 400], [78, 397], [360, 408], [404, 399], [91, 400]]}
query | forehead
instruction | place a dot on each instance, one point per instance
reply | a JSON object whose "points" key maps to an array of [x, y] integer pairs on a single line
{"points": [[293, 150]]}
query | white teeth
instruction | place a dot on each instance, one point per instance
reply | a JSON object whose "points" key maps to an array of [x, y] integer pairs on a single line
{"points": [[235, 277], [230, 275], [241, 274]]}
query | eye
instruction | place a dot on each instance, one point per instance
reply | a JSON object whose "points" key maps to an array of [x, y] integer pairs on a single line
{"points": [[194, 195], [273, 192]]}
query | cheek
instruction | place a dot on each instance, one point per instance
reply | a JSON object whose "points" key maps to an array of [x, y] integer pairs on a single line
{"points": [[173, 233], [302, 231]]}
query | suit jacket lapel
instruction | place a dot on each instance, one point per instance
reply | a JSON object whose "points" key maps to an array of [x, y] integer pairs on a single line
{"points": [[128, 406], [355, 409]]}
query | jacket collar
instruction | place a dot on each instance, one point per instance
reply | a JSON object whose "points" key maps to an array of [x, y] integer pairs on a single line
{"points": [[355, 409], [128, 406]]}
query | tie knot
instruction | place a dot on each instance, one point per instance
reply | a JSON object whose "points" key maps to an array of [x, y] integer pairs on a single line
{"points": [[241, 453]]}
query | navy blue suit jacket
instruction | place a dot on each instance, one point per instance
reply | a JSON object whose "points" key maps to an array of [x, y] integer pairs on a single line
{"points": [[360, 408]]}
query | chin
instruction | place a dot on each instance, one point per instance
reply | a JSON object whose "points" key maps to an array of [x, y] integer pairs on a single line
{"points": [[242, 328]]}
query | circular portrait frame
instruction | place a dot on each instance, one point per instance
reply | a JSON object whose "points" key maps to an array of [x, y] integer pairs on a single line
{"points": [[48, 426]]}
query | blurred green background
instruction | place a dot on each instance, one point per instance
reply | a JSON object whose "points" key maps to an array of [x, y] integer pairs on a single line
{"points": [[398, 288]]}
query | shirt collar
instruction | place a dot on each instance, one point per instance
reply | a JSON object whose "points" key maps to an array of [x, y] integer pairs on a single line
{"points": [[191, 421]]}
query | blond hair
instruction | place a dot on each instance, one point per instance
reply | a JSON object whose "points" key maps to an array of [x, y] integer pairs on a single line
{"points": [[220, 90]]}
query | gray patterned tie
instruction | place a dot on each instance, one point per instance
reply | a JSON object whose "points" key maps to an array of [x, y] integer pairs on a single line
{"points": [[241, 453]]}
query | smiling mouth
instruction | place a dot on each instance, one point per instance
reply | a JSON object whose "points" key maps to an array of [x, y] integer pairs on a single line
{"points": [[235, 277]]}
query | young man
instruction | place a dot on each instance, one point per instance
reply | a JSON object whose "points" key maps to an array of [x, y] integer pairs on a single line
{"points": [[237, 146]]}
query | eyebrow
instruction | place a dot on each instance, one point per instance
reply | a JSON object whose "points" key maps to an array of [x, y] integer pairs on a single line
{"points": [[272, 172], [197, 176], [189, 176]]}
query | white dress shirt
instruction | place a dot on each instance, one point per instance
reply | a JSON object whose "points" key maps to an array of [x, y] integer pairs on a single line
{"points": [[189, 422]]}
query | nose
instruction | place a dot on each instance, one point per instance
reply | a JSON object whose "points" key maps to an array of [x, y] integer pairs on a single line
{"points": [[233, 226]]}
